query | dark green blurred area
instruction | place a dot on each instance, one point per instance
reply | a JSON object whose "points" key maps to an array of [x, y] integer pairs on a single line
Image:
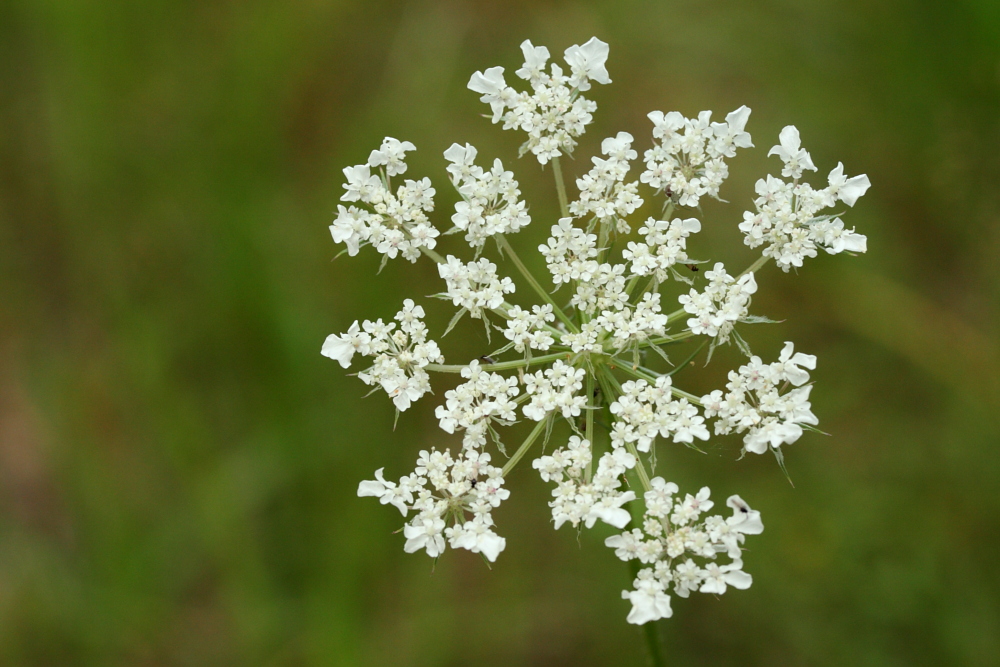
{"points": [[178, 464]]}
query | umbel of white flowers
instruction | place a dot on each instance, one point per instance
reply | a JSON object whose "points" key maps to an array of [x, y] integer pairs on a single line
{"points": [[584, 354]]}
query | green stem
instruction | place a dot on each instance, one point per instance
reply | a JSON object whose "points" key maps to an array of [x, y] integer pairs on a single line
{"points": [[761, 261], [501, 366], [631, 284], [560, 187], [638, 295], [649, 342], [432, 254], [525, 446], [589, 432], [534, 283]]}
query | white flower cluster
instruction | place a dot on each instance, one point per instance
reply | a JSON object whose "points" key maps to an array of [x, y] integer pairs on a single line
{"points": [[753, 401], [631, 325], [620, 325], [607, 304], [665, 246], [526, 328], [555, 388], [603, 192], [400, 354], [569, 253], [554, 113], [397, 223], [688, 162], [577, 499], [672, 530], [644, 411], [467, 484], [724, 302], [473, 405], [604, 292], [787, 219], [474, 286], [490, 203]]}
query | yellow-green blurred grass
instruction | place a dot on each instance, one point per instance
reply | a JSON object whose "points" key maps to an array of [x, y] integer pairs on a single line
{"points": [[178, 464]]}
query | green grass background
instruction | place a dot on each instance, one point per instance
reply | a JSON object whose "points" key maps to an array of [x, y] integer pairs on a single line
{"points": [[178, 464]]}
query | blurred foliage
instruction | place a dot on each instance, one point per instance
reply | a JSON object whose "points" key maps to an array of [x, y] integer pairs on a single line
{"points": [[178, 464]]}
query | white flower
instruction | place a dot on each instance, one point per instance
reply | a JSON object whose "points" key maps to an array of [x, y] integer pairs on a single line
{"points": [[535, 58], [463, 162], [744, 519], [790, 150], [717, 577], [600, 336], [424, 532], [724, 302], [553, 114], [490, 203], [575, 499], [474, 286], [662, 542], [397, 223], [476, 404], [690, 164], [443, 486], [526, 329], [477, 537], [553, 389], [387, 492], [847, 190], [391, 155], [342, 348], [645, 411], [649, 602], [791, 365], [491, 85], [753, 402], [587, 63], [400, 356]]}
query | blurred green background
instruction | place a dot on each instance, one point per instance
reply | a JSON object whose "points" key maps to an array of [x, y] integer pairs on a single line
{"points": [[178, 464]]}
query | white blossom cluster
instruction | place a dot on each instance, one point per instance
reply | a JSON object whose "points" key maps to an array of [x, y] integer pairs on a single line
{"points": [[554, 113], [787, 219], [753, 401], [400, 354], [603, 192], [555, 389], [665, 246], [474, 286], [724, 302], [396, 223], [579, 364], [473, 405], [688, 162], [570, 252], [459, 486], [619, 326], [672, 535], [490, 199], [644, 411], [526, 329], [578, 498]]}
